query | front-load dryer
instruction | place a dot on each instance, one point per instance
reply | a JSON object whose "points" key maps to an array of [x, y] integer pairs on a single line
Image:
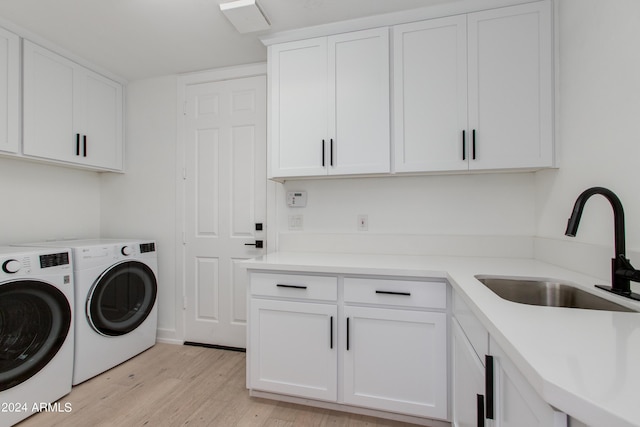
{"points": [[116, 309], [36, 330]]}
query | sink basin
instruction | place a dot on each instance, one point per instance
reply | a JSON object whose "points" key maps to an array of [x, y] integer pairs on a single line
{"points": [[547, 293]]}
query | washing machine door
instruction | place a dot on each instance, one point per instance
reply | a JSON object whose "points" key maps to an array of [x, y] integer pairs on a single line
{"points": [[35, 318], [122, 298]]}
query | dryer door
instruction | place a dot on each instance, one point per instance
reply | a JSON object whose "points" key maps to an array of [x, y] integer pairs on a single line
{"points": [[35, 318], [122, 298]]}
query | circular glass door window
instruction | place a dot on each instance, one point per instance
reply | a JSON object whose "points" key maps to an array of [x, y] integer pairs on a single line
{"points": [[122, 298], [35, 318]]}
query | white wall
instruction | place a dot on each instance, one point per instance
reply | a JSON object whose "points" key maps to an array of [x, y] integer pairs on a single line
{"points": [[484, 204], [45, 202], [142, 202], [598, 116]]}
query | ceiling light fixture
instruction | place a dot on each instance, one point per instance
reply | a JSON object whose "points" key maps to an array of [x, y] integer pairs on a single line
{"points": [[246, 15]]}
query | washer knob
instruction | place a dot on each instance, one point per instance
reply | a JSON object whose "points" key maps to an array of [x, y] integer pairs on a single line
{"points": [[126, 250], [11, 266]]}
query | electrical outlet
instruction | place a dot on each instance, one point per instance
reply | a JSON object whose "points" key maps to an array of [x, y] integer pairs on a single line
{"points": [[295, 222], [363, 222]]}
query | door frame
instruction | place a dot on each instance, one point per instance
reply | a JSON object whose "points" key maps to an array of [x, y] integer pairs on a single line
{"points": [[183, 81]]}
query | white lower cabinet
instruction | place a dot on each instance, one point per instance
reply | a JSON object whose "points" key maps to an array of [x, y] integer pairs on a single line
{"points": [[292, 348], [468, 382], [516, 403], [395, 360], [366, 342], [488, 389]]}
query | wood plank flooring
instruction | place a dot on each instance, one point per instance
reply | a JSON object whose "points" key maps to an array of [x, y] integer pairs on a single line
{"points": [[174, 385]]}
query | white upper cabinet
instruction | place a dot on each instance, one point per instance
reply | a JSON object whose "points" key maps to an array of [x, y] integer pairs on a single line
{"points": [[330, 105], [359, 102], [430, 94], [71, 114], [9, 92], [510, 87], [298, 84], [475, 91]]}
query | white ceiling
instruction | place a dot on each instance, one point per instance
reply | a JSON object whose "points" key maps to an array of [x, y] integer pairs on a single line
{"points": [[137, 39]]}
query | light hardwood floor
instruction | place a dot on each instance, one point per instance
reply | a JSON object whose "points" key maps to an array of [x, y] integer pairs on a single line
{"points": [[173, 385]]}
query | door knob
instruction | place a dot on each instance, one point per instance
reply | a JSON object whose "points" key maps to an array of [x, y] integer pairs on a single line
{"points": [[259, 244]]}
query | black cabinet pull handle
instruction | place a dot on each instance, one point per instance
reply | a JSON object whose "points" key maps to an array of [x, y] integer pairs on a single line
{"points": [[323, 160], [280, 285], [331, 153], [394, 293], [259, 244], [331, 332], [488, 385], [480, 410], [464, 145], [348, 334], [77, 144], [473, 145], [84, 145]]}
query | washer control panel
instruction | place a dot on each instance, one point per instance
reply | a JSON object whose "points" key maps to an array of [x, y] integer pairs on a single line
{"points": [[22, 264]]}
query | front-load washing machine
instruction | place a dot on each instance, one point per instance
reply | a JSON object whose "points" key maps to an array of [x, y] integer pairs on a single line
{"points": [[36, 330], [116, 310]]}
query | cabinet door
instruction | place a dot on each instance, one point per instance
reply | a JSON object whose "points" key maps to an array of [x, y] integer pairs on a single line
{"points": [[71, 114], [9, 92], [430, 95], [468, 382], [516, 402], [396, 360], [99, 110], [293, 348], [298, 92], [49, 126], [510, 87], [359, 102]]}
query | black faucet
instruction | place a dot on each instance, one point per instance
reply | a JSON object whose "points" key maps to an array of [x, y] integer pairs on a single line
{"points": [[622, 272]]}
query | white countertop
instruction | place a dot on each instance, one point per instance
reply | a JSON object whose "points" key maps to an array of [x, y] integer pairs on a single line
{"points": [[585, 363]]}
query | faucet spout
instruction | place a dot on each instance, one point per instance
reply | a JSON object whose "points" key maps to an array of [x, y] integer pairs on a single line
{"points": [[622, 272], [618, 216]]}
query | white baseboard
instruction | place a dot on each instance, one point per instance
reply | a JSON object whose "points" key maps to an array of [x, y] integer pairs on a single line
{"points": [[168, 336]]}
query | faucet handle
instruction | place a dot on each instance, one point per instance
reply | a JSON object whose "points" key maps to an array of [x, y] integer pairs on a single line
{"points": [[626, 270], [624, 262]]}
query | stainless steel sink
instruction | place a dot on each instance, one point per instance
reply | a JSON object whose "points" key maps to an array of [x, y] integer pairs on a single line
{"points": [[547, 293]]}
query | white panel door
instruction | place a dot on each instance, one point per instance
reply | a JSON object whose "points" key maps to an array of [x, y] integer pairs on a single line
{"points": [[298, 99], [396, 360], [293, 348], [49, 127], [225, 196], [359, 135], [100, 113], [9, 92], [510, 87], [430, 95]]}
